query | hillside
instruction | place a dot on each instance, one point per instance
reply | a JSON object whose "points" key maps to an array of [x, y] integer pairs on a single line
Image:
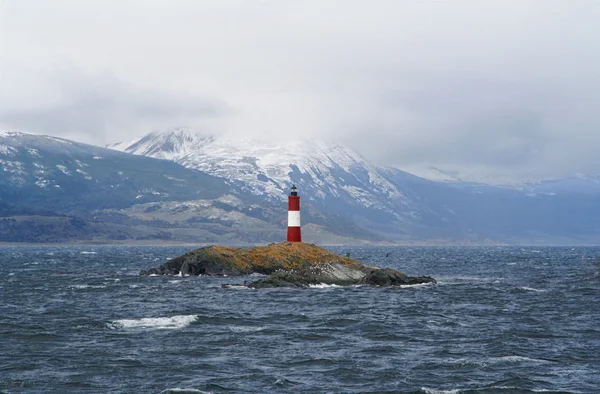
{"points": [[204, 189], [387, 203], [92, 193]]}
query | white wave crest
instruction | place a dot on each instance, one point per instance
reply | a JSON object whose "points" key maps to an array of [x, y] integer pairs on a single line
{"points": [[516, 389], [532, 289], [322, 286], [171, 323], [87, 287], [418, 285], [88, 253], [237, 287], [434, 391], [245, 329], [184, 391], [516, 359]]}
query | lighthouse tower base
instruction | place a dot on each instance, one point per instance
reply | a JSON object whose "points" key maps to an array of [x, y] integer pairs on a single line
{"points": [[294, 235]]}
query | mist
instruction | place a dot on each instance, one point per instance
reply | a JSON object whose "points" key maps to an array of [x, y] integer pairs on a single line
{"points": [[481, 89]]}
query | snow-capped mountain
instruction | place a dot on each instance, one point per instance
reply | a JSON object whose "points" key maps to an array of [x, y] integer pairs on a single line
{"points": [[62, 189], [267, 168], [172, 145], [55, 165], [388, 202], [331, 177], [53, 189]]}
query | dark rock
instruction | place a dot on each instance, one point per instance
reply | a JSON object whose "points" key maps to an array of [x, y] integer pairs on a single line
{"points": [[206, 267], [284, 279], [337, 274], [295, 265], [390, 277]]}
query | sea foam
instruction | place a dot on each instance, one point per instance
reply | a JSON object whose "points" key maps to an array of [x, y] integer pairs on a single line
{"points": [[418, 285], [173, 322], [434, 391], [245, 329], [516, 359], [322, 286], [79, 287], [532, 289]]}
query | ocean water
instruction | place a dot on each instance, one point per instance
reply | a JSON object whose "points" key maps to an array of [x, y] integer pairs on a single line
{"points": [[500, 320]]}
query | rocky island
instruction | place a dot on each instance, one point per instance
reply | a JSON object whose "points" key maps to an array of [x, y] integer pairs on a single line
{"points": [[288, 264]]}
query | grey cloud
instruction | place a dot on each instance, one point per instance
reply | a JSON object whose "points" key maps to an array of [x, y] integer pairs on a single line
{"points": [[100, 108], [520, 126], [495, 86]]}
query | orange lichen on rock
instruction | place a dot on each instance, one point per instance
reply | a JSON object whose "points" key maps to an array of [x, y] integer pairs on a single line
{"points": [[220, 260], [276, 256], [293, 255]]}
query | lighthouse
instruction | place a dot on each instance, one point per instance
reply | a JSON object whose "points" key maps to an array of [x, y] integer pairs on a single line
{"points": [[294, 216]]}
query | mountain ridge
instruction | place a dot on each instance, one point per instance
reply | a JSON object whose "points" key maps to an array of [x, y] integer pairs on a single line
{"points": [[112, 195], [149, 198], [394, 204], [239, 158]]}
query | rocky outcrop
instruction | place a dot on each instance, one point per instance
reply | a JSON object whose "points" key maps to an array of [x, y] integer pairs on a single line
{"points": [[288, 264], [325, 273], [337, 274], [390, 277], [219, 260]]}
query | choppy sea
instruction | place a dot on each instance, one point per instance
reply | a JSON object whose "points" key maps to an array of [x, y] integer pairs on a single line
{"points": [[500, 320]]}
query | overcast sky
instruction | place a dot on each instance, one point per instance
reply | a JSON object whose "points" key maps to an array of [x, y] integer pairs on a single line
{"points": [[487, 88]]}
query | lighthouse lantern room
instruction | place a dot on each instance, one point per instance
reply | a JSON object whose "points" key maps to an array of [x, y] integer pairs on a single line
{"points": [[294, 234]]}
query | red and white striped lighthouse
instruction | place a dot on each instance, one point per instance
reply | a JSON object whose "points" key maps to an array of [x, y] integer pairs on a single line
{"points": [[294, 216]]}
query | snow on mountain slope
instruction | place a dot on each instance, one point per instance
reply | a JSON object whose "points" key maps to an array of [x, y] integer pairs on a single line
{"points": [[70, 173], [171, 145], [473, 175], [384, 201], [268, 168], [343, 194]]}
